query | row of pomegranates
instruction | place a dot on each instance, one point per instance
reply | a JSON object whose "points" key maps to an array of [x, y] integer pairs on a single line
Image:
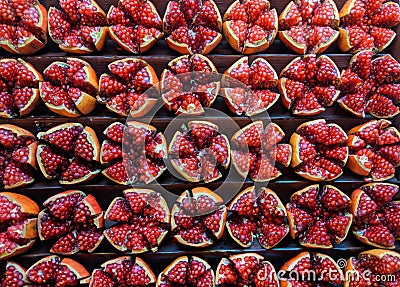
{"points": [[196, 26], [319, 216]]}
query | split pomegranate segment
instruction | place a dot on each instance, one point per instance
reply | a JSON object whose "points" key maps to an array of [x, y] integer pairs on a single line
{"points": [[374, 150], [369, 86], [319, 150], [250, 26], [246, 269], [311, 269], [19, 93], [141, 219], [366, 25], [259, 78], [80, 26], [17, 224], [309, 84], [124, 90], [17, 156], [189, 85], [192, 26], [187, 271], [69, 88], [199, 152], [256, 150], [74, 220], [70, 152], [13, 276], [309, 26], [376, 214], [260, 215], [144, 152], [198, 217], [135, 25], [23, 26], [319, 216]]}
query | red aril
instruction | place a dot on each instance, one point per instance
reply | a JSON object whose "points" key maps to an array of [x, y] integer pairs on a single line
{"points": [[13, 276]]}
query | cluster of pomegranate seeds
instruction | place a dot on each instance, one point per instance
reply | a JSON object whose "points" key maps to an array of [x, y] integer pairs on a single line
{"points": [[192, 26], [13, 276], [255, 150], [309, 26], [141, 219], [369, 86], [69, 151], [184, 93], [366, 25], [319, 150], [309, 85], [200, 152], [123, 91], [262, 215], [187, 271], [198, 217], [79, 27], [135, 25]]}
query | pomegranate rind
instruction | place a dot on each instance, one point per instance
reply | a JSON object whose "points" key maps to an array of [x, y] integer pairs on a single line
{"points": [[78, 269]]}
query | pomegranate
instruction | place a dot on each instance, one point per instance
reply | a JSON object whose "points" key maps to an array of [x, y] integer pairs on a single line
{"points": [[319, 216], [365, 25], [189, 94], [198, 217], [74, 219], [144, 152], [372, 266], [311, 269], [69, 151], [309, 26], [260, 77], [199, 152], [255, 150], [192, 26], [55, 271], [376, 214], [187, 271], [319, 151], [13, 276], [261, 215], [246, 269], [250, 26], [309, 84], [23, 26], [17, 224], [79, 27], [141, 219], [374, 150], [369, 86], [135, 25], [123, 92]]}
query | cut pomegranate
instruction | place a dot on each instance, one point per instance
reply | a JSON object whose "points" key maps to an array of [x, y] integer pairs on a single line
{"points": [[198, 217], [369, 86], [141, 218], [69, 151], [262, 215], [192, 26], [184, 93], [308, 85], [250, 26], [309, 26], [135, 25], [319, 150], [79, 27], [365, 25], [374, 150], [255, 150], [259, 77], [124, 91], [199, 152], [13, 276], [70, 88]]}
